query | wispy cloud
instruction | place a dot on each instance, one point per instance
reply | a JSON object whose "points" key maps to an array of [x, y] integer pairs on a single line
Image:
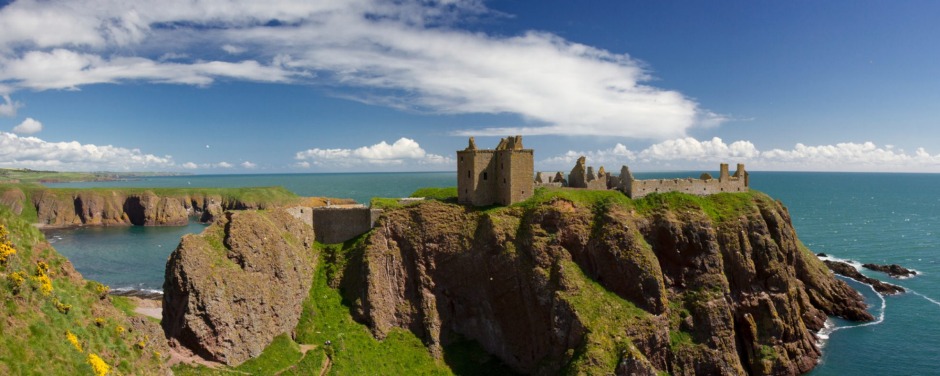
{"points": [[405, 54], [691, 153], [8, 107], [405, 151]]}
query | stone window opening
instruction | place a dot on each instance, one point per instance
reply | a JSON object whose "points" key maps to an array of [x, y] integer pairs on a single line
{"points": [[468, 174], [484, 176]]}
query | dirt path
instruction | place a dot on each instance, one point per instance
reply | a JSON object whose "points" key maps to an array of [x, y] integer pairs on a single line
{"points": [[327, 363]]}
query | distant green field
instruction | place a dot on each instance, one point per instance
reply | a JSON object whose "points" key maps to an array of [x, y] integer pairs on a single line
{"points": [[25, 175]]}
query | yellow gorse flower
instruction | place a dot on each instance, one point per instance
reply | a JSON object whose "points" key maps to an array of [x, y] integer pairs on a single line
{"points": [[98, 365], [73, 340]]}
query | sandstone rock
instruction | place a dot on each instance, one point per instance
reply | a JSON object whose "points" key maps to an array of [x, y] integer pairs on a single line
{"points": [[230, 290], [14, 199], [745, 293]]}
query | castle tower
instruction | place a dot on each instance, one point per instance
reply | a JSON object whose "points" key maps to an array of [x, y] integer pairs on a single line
{"points": [[723, 175], [502, 176]]}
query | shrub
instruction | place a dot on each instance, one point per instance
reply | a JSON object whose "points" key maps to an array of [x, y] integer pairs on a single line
{"points": [[45, 284], [16, 280], [62, 307], [99, 289], [98, 365], [73, 340], [6, 248]]}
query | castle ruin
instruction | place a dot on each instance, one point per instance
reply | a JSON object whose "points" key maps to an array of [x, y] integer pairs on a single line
{"points": [[500, 176], [503, 176], [583, 177]]}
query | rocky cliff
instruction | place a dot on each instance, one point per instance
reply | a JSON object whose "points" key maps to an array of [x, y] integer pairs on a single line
{"points": [[230, 290], [70, 207], [673, 283]]}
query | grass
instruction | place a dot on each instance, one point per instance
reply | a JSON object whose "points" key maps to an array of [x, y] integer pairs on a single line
{"points": [[34, 333], [353, 349], [605, 315], [448, 194], [281, 354], [718, 207], [385, 203]]}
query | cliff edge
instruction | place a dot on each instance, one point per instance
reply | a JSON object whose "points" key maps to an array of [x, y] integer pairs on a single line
{"points": [[596, 283]]}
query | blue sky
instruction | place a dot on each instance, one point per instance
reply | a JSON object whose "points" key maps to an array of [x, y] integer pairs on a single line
{"points": [[365, 85]]}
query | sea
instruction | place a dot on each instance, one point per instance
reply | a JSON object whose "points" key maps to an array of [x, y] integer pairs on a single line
{"points": [[882, 218]]}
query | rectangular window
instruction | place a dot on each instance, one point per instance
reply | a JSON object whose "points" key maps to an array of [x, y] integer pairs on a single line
{"points": [[484, 176]]}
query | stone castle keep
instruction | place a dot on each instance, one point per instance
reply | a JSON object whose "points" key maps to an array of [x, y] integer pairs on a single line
{"points": [[501, 176], [504, 176]]}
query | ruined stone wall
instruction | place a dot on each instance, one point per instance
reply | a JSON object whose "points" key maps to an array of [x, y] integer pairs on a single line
{"points": [[336, 225], [303, 213], [640, 188]]}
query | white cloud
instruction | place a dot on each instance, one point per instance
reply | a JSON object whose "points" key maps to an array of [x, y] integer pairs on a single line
{"points": [[9, 106], [189, 165], [382, 49], [690, 153], [32, 152], [28, 126], [402, 152], [222, 164], [247, 164]]}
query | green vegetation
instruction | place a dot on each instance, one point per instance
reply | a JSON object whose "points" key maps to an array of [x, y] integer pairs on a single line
{"points": [[353, 349], [605, 315], [584, 197], [448, 194], [65, 327], [385, 203], [25, 175], [719, 207], [282, 353]]}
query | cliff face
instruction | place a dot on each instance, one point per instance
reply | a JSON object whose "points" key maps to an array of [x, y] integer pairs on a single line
{"points": [[110, 208], [717, 285], [230, 290]]}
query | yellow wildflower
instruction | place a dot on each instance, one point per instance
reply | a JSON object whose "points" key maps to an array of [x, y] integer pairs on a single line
{"points": [[119, 329], [99, 322], [16, 280], [45, 284], [101, 368], [6, 250], [73, 340]]}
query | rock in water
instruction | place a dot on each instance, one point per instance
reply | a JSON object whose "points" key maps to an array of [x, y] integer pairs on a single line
{"points": [[231, 289], [850, 271], [893, 270], [565, 287]]}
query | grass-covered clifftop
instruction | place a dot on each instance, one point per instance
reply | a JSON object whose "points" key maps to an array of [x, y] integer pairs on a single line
{"points": [[569, 282], [56, 323], [134, 206]]}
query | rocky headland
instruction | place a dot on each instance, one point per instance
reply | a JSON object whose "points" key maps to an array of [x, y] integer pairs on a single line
{"points": [[230, 290], [563, 284], [61, 207]]}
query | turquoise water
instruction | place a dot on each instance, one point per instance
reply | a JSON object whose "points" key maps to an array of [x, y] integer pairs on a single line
{"points": [[880, 218]]}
